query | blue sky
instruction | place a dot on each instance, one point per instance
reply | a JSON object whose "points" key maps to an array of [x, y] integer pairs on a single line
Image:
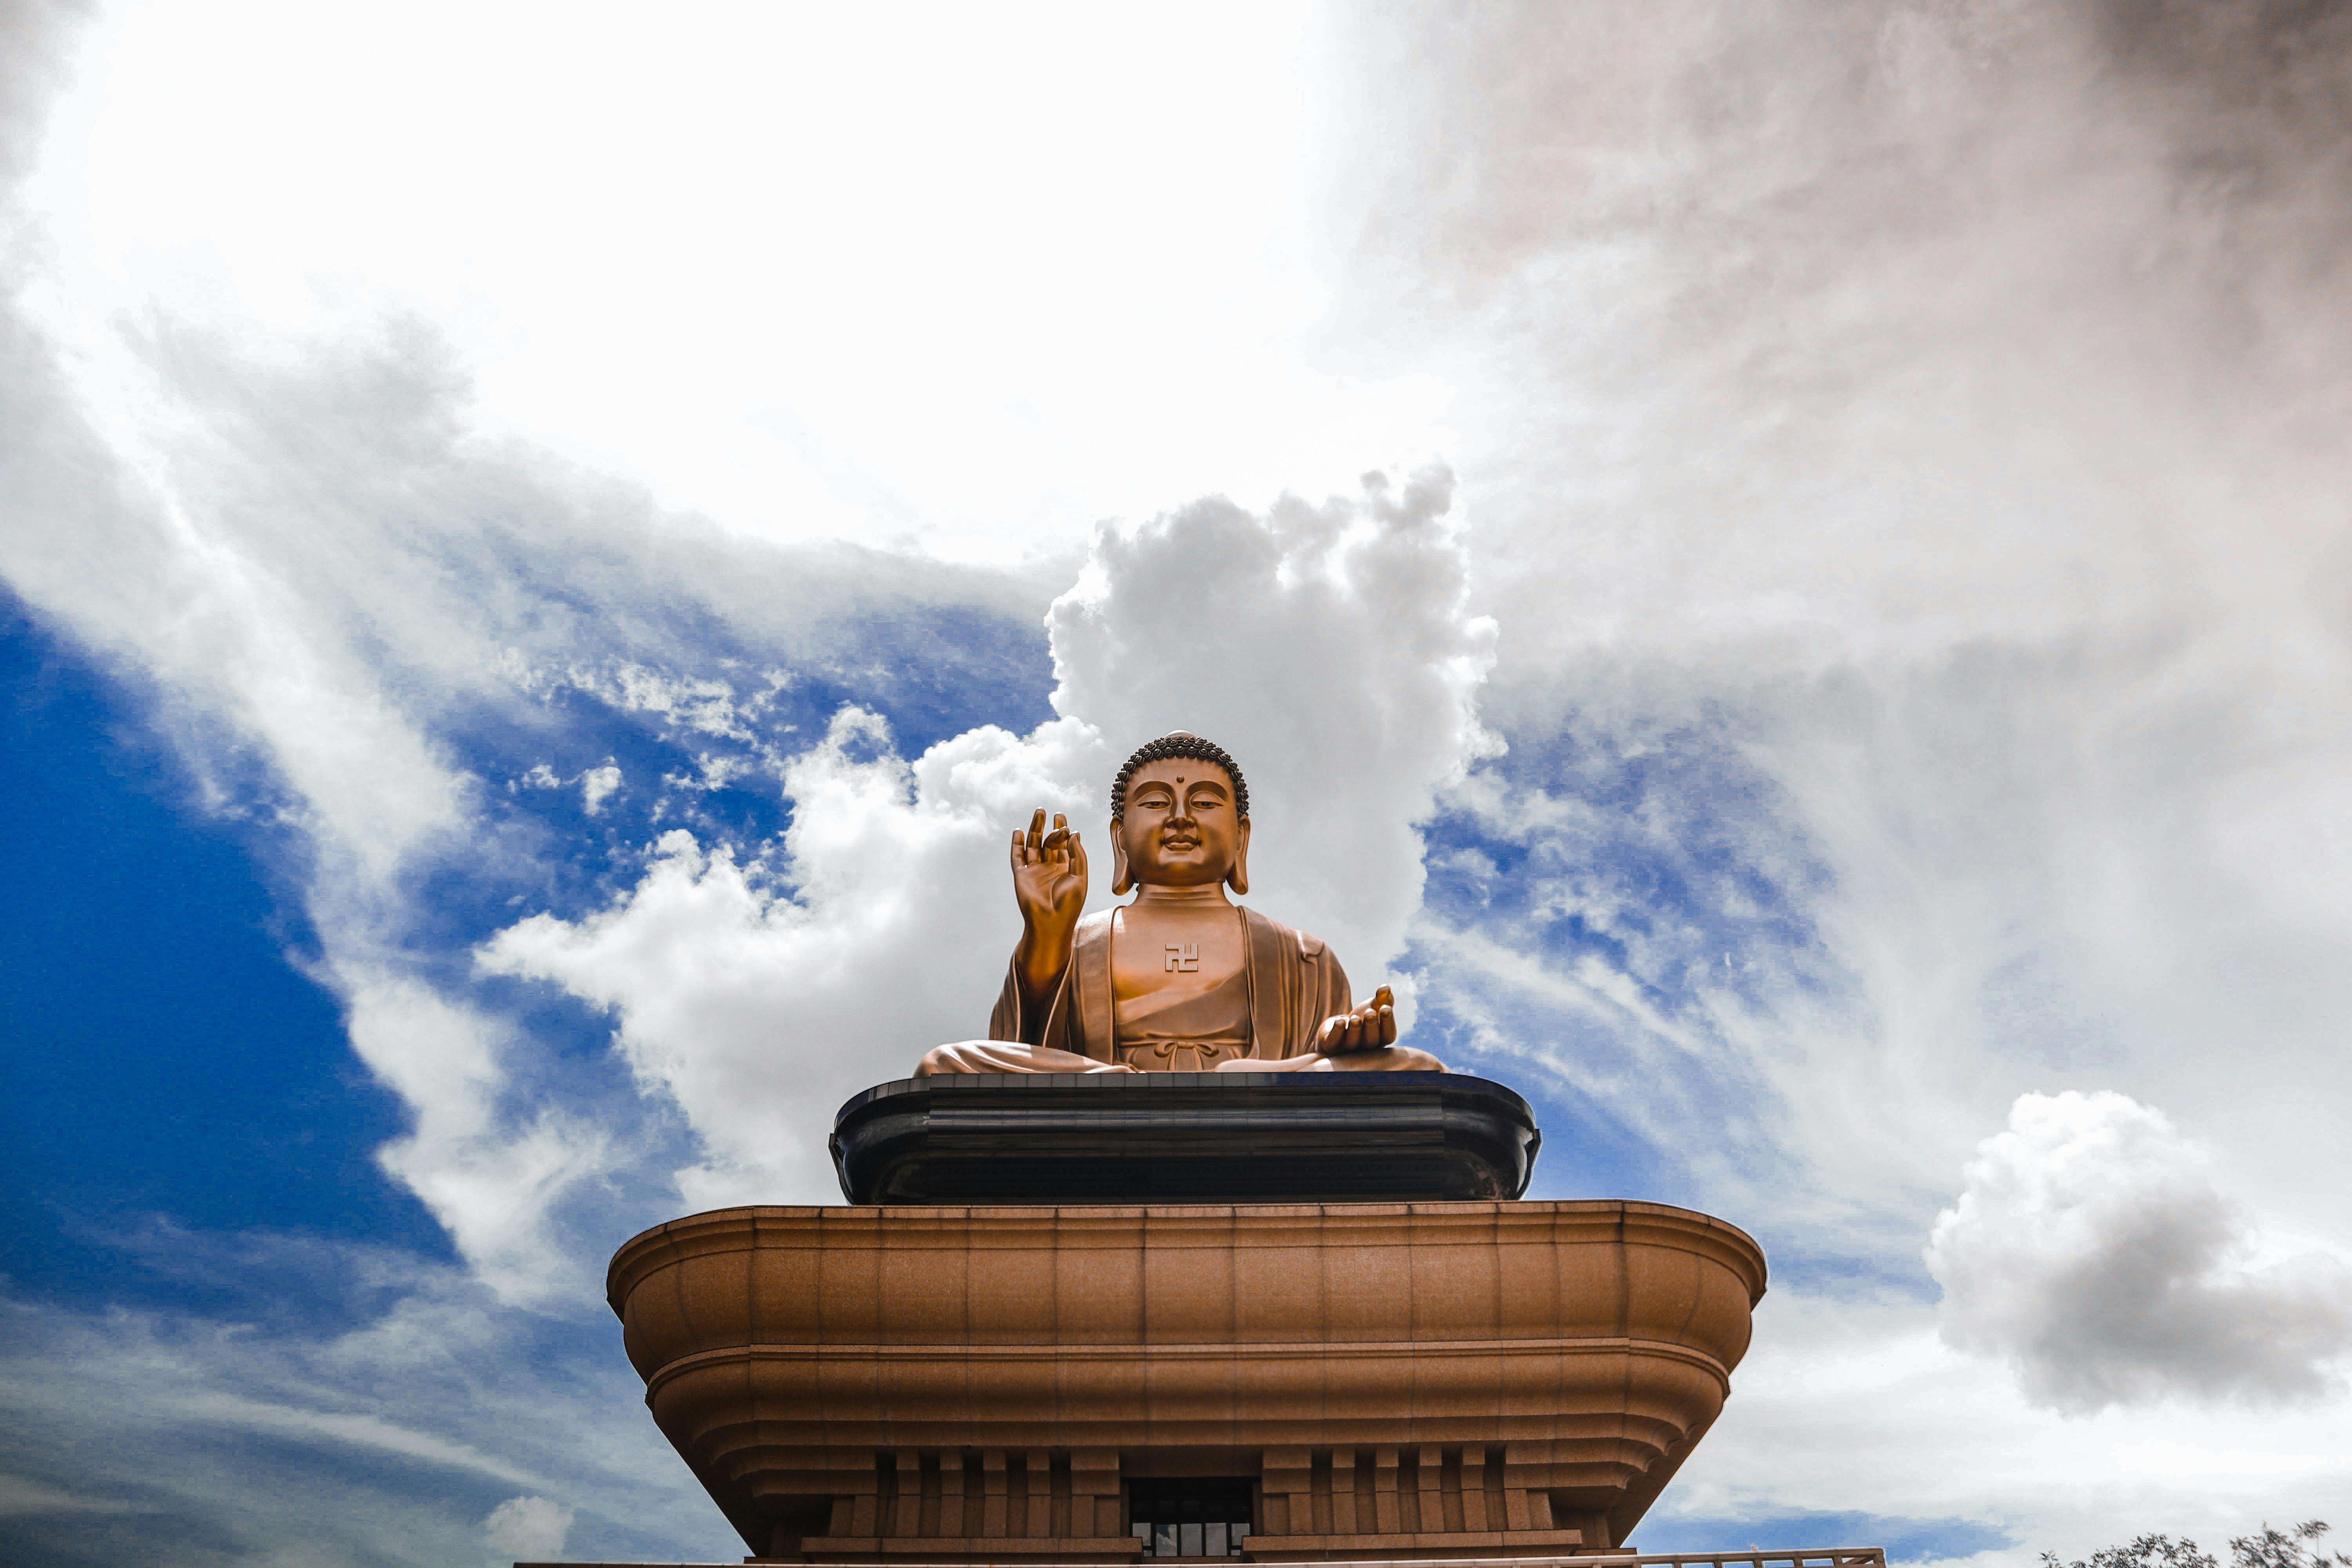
{"points": [[1778, 569]]}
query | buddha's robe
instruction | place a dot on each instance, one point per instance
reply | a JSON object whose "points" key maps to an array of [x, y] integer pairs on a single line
{"points": [[1289, 983]]}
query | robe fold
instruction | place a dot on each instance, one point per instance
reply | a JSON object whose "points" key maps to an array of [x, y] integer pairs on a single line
{"points": [[1295, 983]]}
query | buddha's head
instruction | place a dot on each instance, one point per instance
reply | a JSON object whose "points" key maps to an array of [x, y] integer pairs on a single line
{"points": [[1180, 817]]}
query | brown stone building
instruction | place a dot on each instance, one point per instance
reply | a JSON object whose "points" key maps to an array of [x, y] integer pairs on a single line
{"points": [[1104, 1382]]}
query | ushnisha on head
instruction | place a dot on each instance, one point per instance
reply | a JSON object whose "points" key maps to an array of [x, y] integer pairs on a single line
{"points": [[1180, 816]]}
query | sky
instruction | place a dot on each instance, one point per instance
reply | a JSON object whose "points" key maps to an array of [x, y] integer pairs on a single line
{"points": [[1783, 572]]}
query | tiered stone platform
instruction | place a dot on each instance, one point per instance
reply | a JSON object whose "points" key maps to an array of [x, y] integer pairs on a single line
{"points": [[1360, 1381]]}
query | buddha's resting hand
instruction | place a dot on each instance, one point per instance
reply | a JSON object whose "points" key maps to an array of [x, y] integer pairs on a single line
{"points": [[1049, 883], [1368, 1029], [1361, 1041]]}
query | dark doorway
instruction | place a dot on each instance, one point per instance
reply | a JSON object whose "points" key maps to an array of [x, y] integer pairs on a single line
{"points": [[1191, 1516]]}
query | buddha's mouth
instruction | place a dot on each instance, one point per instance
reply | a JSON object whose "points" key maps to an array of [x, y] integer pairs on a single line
{"points": [[1180, 842]]}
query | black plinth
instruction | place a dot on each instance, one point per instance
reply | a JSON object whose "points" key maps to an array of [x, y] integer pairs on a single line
{"points": [[1184, 1137]]}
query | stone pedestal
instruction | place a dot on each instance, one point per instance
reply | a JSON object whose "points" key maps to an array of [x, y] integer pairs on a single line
{"points": [[1185, 1138], [1392, 1381]]}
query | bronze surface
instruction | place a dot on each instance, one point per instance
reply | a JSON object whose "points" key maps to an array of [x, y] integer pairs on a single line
{"points": [[1231, 990]]}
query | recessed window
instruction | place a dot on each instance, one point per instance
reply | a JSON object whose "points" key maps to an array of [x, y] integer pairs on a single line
{"points": [[1191, 1517]]}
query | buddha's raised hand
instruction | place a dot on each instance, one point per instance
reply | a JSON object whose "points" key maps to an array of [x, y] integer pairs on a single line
{"points": [[1049, 877], [1368, 1029]]}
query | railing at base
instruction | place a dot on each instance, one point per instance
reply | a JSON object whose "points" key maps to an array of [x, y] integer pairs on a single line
{"points": [[1833, 1557]]}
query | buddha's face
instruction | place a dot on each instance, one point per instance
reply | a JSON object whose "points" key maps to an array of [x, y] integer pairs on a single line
{"points": [[1179, 828]]}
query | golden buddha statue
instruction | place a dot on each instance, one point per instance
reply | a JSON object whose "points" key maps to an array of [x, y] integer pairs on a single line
{"points": [[1181, 979]]}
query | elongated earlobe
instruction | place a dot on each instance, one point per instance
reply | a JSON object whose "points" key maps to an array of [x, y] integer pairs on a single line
{"points": [[1119, 880], [1238, 878]]}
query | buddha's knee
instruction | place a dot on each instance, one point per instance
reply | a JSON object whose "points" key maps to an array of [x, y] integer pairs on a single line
{"points": [[1389, 1059], [941, 1058]]}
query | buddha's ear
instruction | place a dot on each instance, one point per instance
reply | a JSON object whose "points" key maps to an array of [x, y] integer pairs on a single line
{"points": [[1119, 880], [1237, 877]]}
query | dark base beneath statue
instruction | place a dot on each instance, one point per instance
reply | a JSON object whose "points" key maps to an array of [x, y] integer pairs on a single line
{"points": [[1170, 1137]]}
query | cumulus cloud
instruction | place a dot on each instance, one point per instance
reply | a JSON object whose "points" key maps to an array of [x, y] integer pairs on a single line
{"points": [[2092, 1247], [759, 997], [529, 1528], [1853, 1415], [1330, 648]]}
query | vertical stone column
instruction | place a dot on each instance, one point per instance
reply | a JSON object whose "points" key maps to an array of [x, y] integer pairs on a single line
{"points": [[1526, 1475], [992, 1495], [1286, 1492], [848, 1480], [1037, 1485], [1093, 1492], [1432, 1491], [951, 1493], [1057, 1496], [1351, 1491], [1388, 1518], [906, 1507], [1473, 1487]]}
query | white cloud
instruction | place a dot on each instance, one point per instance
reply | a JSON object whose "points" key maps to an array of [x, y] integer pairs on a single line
{"points": [[596, 786], [758, 1004], [1142, 300], [529, 1528], [1854, 1404], [700, 704], [2092, 1248], [1896, 406], [1330, 649], [317, 572], [492, 1179]]}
